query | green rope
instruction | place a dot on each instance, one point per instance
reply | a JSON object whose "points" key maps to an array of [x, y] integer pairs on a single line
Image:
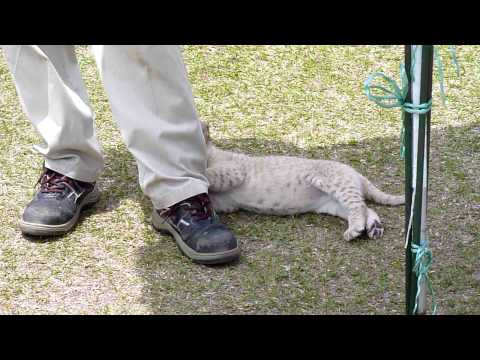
{"points": [[394, 96], [423, 261], [439, 64], [453, 55]]}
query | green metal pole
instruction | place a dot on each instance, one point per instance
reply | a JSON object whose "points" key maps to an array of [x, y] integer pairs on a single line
{"points": [[416, 172], [425, 96], [410, 287], [417, 209]]}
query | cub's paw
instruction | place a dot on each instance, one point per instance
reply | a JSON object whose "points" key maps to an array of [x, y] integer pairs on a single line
{"points": [[375, 230]]}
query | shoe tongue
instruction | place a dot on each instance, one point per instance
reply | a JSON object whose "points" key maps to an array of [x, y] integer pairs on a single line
{"points": [[53, 175], [187, 208]]}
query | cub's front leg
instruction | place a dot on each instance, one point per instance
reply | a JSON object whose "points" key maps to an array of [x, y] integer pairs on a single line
{"points": [[225, 176]]}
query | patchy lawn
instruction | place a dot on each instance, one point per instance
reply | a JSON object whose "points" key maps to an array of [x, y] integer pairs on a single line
{"points": [[295, 100]]}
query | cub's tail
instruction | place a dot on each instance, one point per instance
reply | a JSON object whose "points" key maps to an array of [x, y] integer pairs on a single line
{"points": [[372, 193]]}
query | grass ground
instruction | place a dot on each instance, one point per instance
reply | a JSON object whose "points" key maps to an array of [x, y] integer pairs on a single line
{"points": [[296, 100]]}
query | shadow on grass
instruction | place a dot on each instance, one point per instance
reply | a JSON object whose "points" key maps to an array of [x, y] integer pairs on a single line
{"points": [[173, 284], [377, 159]]}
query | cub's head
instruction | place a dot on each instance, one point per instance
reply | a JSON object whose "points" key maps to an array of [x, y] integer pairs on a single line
{"points": [[205, 131]]}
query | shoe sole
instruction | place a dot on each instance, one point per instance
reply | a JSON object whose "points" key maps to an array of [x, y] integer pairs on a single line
{"points": [[55, 230], [164, 227]]}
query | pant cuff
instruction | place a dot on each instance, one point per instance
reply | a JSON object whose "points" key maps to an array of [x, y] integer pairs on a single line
{"points": [[76, 174], [192, 188]]}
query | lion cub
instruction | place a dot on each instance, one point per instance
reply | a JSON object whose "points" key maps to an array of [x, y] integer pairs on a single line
{"points": [[285, 185]]}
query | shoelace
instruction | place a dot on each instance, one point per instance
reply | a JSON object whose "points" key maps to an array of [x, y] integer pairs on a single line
{"points": [[52, 182]]}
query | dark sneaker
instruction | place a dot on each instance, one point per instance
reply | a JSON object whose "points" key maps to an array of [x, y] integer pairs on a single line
{"points": [[198, 231], [56, 207]]}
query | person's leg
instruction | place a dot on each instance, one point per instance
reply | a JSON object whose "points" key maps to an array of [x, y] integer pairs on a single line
{"points": [[53, 96], [152, 101]]}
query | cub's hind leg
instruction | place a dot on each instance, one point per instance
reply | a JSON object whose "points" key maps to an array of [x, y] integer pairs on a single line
{"points": [[349, 196], [357, 218]]}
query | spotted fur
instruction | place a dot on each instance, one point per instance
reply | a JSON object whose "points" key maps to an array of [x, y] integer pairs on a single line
{"points": [[285, 185]]}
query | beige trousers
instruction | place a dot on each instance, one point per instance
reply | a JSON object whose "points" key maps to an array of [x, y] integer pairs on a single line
{"points": [[151, 100]]}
